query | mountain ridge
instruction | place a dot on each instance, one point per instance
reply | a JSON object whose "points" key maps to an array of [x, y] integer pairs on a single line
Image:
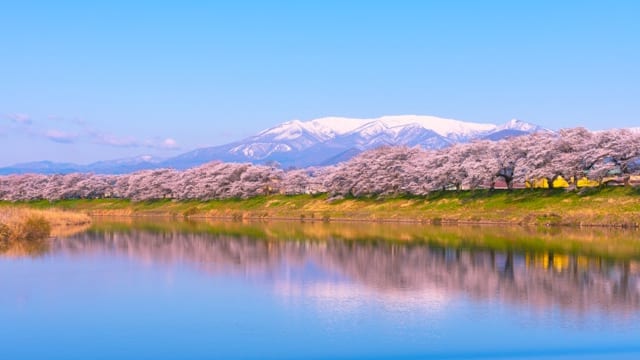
{"points": [[300, 144], [317, 142]]}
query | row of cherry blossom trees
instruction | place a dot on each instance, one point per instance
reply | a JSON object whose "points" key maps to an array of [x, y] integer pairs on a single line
{"points": [[571, 153]]}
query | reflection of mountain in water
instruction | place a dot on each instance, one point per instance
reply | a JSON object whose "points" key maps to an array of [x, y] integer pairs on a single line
{"points": [[534, 280]]}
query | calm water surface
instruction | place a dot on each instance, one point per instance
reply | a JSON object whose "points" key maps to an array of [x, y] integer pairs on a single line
{"points": [[159, 290]]}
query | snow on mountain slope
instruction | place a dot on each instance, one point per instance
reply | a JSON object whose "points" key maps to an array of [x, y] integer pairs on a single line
{"points": [[515, 124], [331, 127], [441, 126], [300, 135], [260, 150], [323, 128], [304, 143]]}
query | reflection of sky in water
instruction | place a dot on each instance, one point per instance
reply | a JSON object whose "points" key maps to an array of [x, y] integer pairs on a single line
{"points": [[342, 298], [140, 295]]}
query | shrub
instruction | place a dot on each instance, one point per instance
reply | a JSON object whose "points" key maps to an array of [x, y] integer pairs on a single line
{"points": [[34, 228], [5, 231]]}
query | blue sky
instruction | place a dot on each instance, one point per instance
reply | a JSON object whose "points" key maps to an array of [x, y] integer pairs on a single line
{"points": [[81, 81]]}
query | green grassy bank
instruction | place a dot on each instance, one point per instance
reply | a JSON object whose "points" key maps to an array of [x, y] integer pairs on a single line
{"points": [[590, 207]]}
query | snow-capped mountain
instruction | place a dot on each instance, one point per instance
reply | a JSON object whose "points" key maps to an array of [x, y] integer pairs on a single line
{"points": [[323, 141], [332, 139]]}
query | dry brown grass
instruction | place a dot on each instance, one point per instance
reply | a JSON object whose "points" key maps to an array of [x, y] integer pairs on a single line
{"points": [[23, 230], [58, 219]]}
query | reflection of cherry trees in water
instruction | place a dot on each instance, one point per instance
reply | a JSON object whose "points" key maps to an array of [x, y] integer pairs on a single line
{"points": [[541, 281]]}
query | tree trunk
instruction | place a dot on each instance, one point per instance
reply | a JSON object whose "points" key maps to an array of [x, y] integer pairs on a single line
{"points": [[575, 181]]}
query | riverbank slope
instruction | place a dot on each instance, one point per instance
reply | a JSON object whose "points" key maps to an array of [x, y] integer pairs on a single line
{"points": [[617, 207]]}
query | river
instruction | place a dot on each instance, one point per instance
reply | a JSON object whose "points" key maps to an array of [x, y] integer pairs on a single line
{"points": [[162, 289]]}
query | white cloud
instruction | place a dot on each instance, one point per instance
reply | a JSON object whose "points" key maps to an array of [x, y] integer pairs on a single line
{"points": [[60, 136], [129, 141], [70, 130], [163, 144], [169, 143]]}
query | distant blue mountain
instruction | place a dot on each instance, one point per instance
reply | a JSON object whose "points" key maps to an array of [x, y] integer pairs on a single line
{"points": [[119, 166]]}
